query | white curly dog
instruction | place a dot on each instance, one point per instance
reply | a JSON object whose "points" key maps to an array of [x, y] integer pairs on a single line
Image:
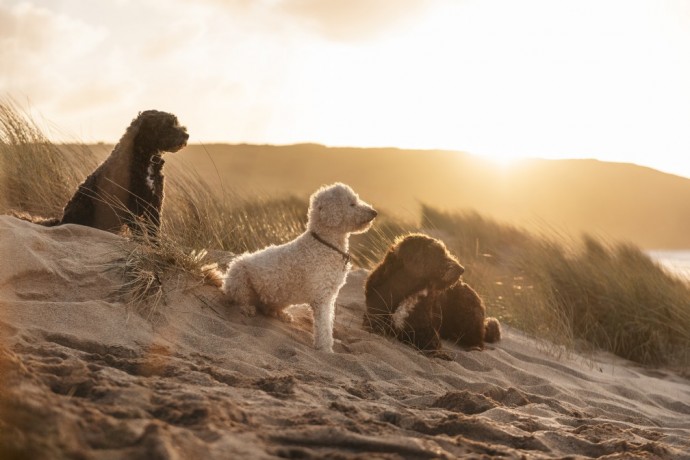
{"points": [[310, 269]]}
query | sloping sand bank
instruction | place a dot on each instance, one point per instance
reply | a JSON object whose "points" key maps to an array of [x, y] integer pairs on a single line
{"points": [[85, 376]]}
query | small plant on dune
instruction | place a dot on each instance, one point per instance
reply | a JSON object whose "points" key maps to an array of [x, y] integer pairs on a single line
{"points": [[149, 259]]}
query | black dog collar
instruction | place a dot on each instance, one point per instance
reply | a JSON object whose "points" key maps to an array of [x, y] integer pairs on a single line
{"points": [[345, 255]]}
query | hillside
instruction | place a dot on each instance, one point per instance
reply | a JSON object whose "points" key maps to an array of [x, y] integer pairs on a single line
{"points": [[621, 201], [615, 200]]}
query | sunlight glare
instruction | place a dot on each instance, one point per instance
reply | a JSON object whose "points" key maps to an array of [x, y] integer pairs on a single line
{"points": [[503, 160]]}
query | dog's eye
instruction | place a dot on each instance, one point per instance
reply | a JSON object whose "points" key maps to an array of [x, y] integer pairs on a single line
{"points": [[352, 205]]}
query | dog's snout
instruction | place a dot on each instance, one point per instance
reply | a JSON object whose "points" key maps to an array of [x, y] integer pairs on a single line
{"points": [[374, 213], [183, 138]]}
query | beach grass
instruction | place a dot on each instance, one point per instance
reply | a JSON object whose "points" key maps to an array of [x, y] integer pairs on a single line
{"points": [[575, 292], [569, 292], [37, 175]]}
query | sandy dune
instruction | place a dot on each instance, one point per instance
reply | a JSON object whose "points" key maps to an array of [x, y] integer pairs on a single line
{"points": [[85, 376]]}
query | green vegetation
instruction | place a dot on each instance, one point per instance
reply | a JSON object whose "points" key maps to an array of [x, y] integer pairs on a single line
{"points": [[571, 293]]}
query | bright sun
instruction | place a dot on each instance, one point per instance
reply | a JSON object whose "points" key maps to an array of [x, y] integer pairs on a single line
{"points": [[504, 160]]}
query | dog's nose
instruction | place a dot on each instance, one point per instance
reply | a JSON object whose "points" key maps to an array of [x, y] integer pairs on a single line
{"points": [[374, 213]]}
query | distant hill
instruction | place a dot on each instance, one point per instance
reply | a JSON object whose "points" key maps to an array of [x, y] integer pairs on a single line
{"points": [[622, 201]]}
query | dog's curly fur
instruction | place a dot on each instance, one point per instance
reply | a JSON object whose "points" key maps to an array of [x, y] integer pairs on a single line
{"points": [[415, 294], [129, 183], [401, 292], [310, 269], [464, 317]]}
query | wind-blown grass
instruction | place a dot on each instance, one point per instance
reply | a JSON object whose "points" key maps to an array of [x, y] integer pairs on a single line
{"points": [[568, 292], [147, 259], [37, 176], [196, 216], [611, 296]]}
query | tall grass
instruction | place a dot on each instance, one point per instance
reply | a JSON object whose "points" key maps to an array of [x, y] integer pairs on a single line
{"points": [[568, 292], [610, 296], [197, 216], [37, 176]]}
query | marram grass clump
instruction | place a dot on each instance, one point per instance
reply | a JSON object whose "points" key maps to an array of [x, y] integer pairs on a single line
{"points": [[614, 297], [149, 259], [611, 296]]}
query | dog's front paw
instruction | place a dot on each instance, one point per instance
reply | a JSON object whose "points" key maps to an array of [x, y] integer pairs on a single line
{"points": [[248, 310], [325, 345], [325, 348]]}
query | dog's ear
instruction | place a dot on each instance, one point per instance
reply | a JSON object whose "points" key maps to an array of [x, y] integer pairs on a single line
{"points": [[330, 215], [386, 268], [135, 126], [144, 129], [126, 143], [413, 254], [325, 209], [149, 128]]}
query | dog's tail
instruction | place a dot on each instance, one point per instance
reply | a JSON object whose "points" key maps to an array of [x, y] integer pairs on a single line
{"points": [[492, 330], [45, 221], [213, 275]]}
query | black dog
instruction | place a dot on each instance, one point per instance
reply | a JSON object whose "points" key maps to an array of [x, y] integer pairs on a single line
{"points": [[129, 183]]}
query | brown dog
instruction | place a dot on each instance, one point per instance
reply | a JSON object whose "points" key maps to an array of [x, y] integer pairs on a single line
{"points": [[402, 291], [415, 294], [129, 184]]}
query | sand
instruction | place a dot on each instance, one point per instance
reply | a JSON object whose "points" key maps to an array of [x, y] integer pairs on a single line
{"points": [[85, 375]]}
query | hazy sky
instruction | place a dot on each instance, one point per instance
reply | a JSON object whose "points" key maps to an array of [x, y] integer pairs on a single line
{"points": [[607, 79]]}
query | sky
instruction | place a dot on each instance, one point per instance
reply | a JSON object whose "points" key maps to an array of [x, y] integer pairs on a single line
{"points": [[605, 79]]}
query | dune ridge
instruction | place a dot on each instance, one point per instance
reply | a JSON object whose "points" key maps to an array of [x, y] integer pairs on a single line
{"points": [[87, 376]]}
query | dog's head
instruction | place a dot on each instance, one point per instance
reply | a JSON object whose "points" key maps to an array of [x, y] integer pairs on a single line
{"points": [[338, 209], [156, 131], [425, 259]]}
